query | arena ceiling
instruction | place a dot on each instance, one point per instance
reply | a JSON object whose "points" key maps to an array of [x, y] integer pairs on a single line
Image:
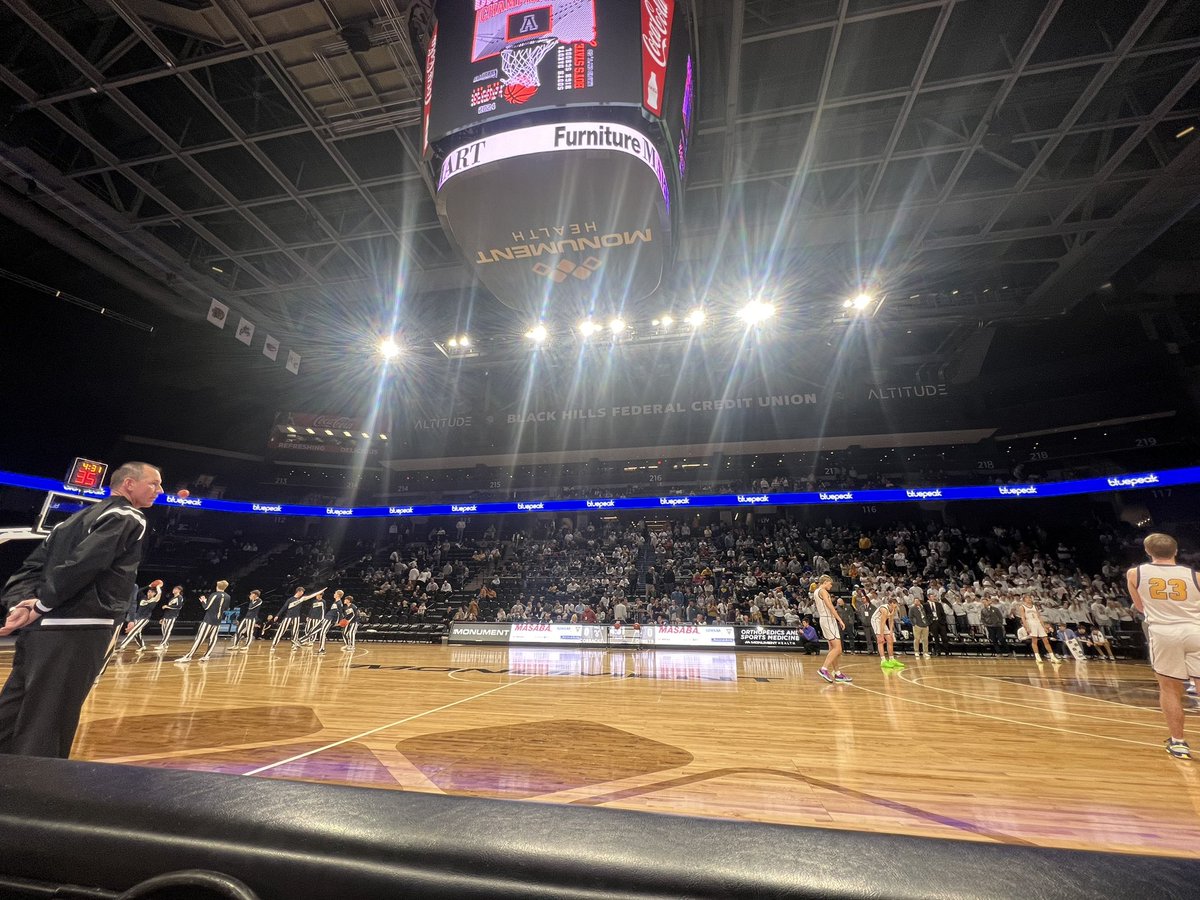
{"points": [[973, 161]]}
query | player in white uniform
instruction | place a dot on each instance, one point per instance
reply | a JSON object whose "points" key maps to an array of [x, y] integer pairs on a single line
{"points": [[1035, 628], [1168, 595], [831, 630], [883, 623]]}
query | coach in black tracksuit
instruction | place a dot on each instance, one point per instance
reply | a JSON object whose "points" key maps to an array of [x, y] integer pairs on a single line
{"points": [[66, 600]]}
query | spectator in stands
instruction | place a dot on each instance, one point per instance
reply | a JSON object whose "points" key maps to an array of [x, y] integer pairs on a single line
{"points": [[1101, 644], [935, 614], [918, 615], [862, 612], [974, 613], [808, 637], [993, 621]]}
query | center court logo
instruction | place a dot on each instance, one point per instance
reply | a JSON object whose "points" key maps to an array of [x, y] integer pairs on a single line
{"points": [[1025, 491], [845, 495], [1133, 481]]}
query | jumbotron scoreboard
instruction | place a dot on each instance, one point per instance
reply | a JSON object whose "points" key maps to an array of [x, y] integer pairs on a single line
{"points": [[557, 134]]}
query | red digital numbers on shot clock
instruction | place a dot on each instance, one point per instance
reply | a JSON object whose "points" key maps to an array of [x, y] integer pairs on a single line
{"points": [[87, 474]]}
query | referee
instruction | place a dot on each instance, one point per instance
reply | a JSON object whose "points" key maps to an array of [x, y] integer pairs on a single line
{"points": [[66, 599]]}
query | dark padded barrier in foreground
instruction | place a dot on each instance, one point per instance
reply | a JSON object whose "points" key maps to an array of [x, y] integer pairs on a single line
{"points": [[113, 826]]}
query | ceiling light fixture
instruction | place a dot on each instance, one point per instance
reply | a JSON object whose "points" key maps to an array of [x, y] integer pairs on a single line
{"points": [[756, 312]]}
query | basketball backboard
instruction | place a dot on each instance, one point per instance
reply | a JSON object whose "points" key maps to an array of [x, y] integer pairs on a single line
{"points": [[502, 23], [56, 508]]}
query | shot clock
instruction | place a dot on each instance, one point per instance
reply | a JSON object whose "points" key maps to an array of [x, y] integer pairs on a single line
{"points": [[86, 474]]}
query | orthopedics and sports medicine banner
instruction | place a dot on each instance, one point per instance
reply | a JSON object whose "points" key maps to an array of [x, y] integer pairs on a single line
{"points": [[1102, 485]]}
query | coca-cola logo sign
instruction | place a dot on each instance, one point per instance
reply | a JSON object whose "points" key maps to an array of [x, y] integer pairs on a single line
{"points": [[430, 58], [342, 422], [657, 16], [656, 29]]}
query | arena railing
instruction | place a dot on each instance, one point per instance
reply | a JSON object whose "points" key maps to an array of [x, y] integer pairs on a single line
{"points": [[1139, 481], [107, 828]]}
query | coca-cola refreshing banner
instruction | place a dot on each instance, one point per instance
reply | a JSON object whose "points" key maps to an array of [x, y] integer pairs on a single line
{"points": [[302, 434]]}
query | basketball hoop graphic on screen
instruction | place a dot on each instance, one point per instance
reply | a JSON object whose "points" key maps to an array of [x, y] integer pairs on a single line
{"points": [[522, 34]]}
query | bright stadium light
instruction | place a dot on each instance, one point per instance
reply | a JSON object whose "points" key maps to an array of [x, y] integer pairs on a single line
{"points": [[537, 333], [388, 348], [453, 342], [617, 325], [365, 435], [666, 321], [464, 341], [587, 328], [696, 318], [756, 312], [862, 301]]}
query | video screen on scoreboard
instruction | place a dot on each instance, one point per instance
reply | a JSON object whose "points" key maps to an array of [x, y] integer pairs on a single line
{"points": [[497, 58]]}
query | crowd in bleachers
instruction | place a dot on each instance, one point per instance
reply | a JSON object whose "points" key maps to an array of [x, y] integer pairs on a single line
{"points": [[763, 573]]}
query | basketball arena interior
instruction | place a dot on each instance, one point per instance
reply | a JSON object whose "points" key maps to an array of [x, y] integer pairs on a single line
{"points": [[572, 413]]}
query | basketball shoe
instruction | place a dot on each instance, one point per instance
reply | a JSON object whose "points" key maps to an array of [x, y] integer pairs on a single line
{"points": [[1179, 749]]}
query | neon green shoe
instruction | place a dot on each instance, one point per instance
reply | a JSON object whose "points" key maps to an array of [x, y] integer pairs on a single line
{"points": [[896, 664]]}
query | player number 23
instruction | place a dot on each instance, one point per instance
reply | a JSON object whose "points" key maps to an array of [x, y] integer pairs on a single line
{"points": [[1173, 589]]}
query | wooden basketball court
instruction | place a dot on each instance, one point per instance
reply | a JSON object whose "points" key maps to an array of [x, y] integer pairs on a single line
{"points": [[987, 750]]}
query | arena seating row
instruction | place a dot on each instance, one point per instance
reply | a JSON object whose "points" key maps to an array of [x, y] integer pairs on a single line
{"points": [[393, 632], [100, 828]]}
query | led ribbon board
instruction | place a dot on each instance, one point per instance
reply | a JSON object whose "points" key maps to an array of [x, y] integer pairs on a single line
{"points": [[1143, 480]]}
